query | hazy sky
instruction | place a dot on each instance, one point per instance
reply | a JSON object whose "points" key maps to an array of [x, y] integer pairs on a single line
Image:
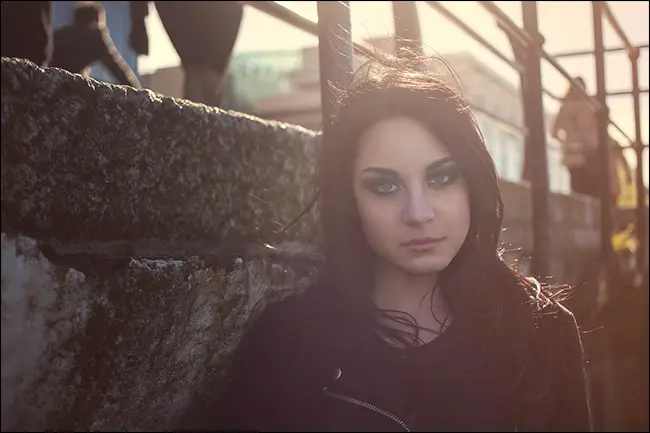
{"points": [[566, 26]]}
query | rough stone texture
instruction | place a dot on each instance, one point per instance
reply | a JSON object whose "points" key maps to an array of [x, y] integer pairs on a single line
{"points": [[127, 352], [87, 162], [133, 231]]}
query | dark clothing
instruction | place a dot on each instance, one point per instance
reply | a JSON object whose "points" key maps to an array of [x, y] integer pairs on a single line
{"points": [[27, 30], [138, 38], [587, 178], [289, 374], [77, 47], [203, 33]]}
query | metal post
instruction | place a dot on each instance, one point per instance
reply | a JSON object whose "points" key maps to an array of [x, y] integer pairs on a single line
{"points": [[407, 26], [607, 223], [641, 213], [536, 140], [610, 395], [335, 54]]}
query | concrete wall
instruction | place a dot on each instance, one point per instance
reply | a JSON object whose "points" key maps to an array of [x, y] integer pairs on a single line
{"points": [[134, 245]]}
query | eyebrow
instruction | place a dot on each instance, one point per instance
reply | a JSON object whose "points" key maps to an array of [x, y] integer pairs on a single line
{"points": [[392, 173]]}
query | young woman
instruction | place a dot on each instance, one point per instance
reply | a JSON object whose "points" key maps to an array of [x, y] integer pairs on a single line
{"points": [[416, 323]]}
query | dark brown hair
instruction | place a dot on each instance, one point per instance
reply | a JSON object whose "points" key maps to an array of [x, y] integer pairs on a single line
{"points": [[479, 287]]}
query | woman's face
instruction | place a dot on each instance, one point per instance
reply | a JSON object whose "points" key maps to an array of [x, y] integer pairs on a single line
{"points": [[411, 198]]}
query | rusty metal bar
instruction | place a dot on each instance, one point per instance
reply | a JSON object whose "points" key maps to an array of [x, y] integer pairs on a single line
{"points": [[335, 55], [606, 218], [283, 14], [591, 53], [536, 142], [478, 38], [627, 93], [611, 396], [519, 35], [641, 213], [407, 26], [609, 15]]}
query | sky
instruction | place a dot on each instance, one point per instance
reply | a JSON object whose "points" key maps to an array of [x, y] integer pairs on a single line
{"points": [[566, 26]]}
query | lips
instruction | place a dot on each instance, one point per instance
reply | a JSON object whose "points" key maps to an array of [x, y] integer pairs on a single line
{"points": [[422, 244]]}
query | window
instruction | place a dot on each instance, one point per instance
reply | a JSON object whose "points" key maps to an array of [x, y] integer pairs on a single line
{"points": [[513, 156], [559, 179], [490, 131]]}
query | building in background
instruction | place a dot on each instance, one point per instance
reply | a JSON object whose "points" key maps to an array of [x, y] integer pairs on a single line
{"points": [[252, 76], [118, 21], [285, 86]]}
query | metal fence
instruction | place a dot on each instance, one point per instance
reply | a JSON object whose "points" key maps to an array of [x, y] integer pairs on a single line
{"points": [[336, 64]]}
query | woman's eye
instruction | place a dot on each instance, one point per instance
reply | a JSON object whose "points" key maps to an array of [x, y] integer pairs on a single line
{"points": [[381, 187], [386, 188], [443, 178], [439, 179]]}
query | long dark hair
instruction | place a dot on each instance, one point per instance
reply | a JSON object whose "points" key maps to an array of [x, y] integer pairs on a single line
{"points": [[479, 287]]}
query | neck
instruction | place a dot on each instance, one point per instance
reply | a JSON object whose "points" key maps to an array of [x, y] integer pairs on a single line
{"points": [[416, 295]]}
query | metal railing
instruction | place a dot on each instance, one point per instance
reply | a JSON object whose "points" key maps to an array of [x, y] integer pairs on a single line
{"points": [[334, 31], [335, 47]]}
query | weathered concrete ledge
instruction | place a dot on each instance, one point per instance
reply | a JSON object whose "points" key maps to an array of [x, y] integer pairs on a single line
{"points": [[88, 162], [96, 168], [123, 353]]}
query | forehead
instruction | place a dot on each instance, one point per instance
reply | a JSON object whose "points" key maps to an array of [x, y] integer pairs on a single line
{"points": [[400, 143]]}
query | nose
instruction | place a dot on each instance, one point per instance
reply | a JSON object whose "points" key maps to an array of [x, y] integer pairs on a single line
{"points": [[418, 209]]}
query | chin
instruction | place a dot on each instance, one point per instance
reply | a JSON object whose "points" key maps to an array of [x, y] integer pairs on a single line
{"points": [[425, 266]]}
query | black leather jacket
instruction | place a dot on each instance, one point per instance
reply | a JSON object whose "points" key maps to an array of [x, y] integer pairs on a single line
{"points": [[287, 375]]}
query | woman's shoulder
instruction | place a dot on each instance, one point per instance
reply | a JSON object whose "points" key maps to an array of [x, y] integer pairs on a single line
{"points": [[555, 312], [282, 310], [558, 325], [550, 314], [280, 318]]}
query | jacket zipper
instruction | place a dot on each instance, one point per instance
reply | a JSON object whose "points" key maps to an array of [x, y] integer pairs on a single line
{"points": [[368, 406]]}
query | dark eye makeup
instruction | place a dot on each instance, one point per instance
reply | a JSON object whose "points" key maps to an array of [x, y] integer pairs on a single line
{"points": [[385, 182]]}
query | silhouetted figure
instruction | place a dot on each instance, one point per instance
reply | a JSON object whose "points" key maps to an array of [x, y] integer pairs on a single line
{"points": [[204, 35], [138, 37], [27, 30], [87, 40], [576, 127]]}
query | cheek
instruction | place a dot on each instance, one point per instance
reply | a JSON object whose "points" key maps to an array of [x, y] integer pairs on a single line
{"points": [[458, 213], [377, 217], [372, 214]]}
